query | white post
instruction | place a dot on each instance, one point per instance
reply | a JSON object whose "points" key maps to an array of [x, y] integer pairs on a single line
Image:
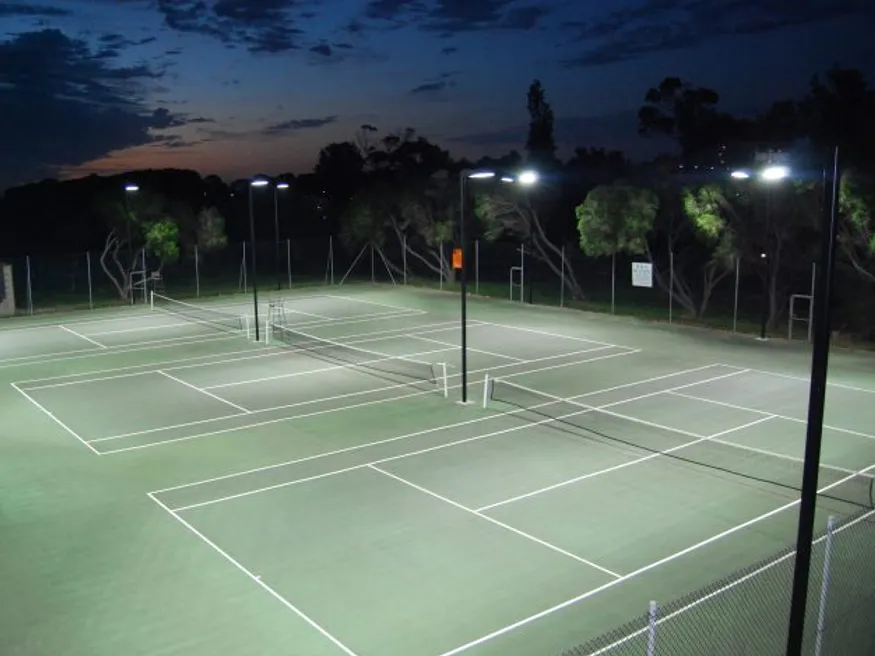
{"points": [[29, 286], [811, 301], [289, 260], [613, 280], [670, 285], [486, 390], [477, 266], [90, 292], [197, 273], [446, 383], [824, 586], [735, 306], [152, 300], [651, 630], [522, 272]]}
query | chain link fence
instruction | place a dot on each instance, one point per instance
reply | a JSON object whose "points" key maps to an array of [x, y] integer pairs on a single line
{"points": [[747, 613]]}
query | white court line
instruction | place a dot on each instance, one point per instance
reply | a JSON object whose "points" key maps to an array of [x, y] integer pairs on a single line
{"points": [[54, 418], [256, 353], [78, 354], [333, 367], [641, 570], [549, 334], [470, 348], [257, 579], [622, 465], [363, 392], [498, 523], [203, 391], [796, 420], [665, 618], [804, 379], [135, 314], [320, 412], [437, 429], [81, 336], [475, 438]]}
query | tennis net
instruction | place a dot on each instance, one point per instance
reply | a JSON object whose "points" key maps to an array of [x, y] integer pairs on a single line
{"points": [[216, 319], [600, 425], [397, 369]]}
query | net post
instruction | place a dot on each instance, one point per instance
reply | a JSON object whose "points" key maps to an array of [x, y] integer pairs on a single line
{"points": [[90, 290], [29, 285], [486, 390], [446, 383], [289, 260], [824, 585], [651, 629], [735, 303], [197, 273]]}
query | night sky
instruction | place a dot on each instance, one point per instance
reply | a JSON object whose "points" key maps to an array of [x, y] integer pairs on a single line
{"points": [[236, 87]]}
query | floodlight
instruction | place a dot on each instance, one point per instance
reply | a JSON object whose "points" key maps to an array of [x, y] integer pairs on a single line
{"points": [[527, 178], [507, 178], [740, 175], [772, 173], [479, 175], [131, 187], [259, 182], [282, 185]]}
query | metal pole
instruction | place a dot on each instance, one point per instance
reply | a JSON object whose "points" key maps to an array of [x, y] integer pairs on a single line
{"points": [[522, 272], [824, 585], [477, 266], [276, 235], [245, 268], [613, 280], [811, 300], [404, 256], [735, 306], [670, 285], [651, 630], [373, 273], [289, 260], [197, 273], [90, 291], [463, 286], [562, 280], [130, 269], [816, 402], [442, 267], [331, 257], [254, 268], [145, 291], [764, 319], [29, 286]]}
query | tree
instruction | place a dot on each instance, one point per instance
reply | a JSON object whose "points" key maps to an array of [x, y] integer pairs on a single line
{"points": [[540, 145], [857, 227], [686, 113]]}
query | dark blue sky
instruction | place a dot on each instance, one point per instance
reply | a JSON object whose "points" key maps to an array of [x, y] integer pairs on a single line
{"points": [[235, 87]]}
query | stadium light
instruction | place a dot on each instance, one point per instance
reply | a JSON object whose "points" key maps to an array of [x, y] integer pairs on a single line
{"points": [[259, 182], [478, 175], [774, 173], [527, 178], [281, 185], [131, 187], [740, 175]]}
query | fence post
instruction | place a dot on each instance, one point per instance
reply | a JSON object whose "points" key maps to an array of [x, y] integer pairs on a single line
{"points": [[562, 280], [243, 268], [522, 273], [477, 266], [289, 260], [441, 265], [29, 286], [197, 273], [331, 257], [735, 305], [824, 585], [670, 285], [373, 270], [651, 630], [88, 269], [613, 280]]}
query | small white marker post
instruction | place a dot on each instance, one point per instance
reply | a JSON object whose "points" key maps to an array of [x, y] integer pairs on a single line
{"points": [[486, 390]]}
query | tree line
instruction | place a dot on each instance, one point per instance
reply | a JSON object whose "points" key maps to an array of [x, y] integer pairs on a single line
{"points": [[683, 212]]}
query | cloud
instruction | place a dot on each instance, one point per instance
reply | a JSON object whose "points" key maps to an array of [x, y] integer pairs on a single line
{"points": [[450, 17], [65, 105], [262, 26], [296, 125], [449, 50], [322, 49], [20, 9], [434, 88], [666, 25]]}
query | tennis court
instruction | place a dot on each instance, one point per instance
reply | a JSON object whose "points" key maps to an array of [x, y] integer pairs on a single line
{"points": [[325, 492]]}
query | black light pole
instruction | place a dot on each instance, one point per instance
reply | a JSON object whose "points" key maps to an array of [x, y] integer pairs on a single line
{"points": [[276, 229], [816, 402], [258, 182], [130, 188]]}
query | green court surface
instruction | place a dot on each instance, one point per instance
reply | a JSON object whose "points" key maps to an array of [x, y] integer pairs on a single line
{"points": [[167, 487]]}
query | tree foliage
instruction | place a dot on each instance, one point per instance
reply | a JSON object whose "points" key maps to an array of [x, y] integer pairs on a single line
{"points": [[616, 218], [541, 143]]}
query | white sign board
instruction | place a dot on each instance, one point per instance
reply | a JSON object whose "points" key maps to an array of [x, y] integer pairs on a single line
{"points": [[642, 274]]}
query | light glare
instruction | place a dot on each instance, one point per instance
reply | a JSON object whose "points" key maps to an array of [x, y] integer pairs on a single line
{"points": [[772, 173], [259, 183], [282, 185], [480, 175], [740, 175], [131, 187], [527, 178]]}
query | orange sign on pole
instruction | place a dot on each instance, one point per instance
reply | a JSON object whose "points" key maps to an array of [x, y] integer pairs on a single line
{"points": [[457, 259]]}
